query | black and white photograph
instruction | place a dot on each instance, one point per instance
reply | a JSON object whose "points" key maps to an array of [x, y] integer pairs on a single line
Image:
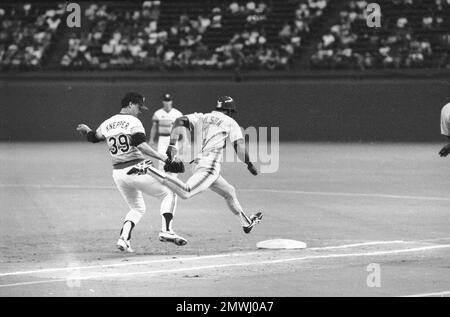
{"points": [[225, 154]]}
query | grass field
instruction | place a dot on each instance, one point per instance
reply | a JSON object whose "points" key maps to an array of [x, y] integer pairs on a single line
{"points": [[353, 204]]}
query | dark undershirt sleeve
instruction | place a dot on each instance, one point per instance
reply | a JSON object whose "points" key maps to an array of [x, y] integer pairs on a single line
{"points": [[138, 138], [92, 137]]}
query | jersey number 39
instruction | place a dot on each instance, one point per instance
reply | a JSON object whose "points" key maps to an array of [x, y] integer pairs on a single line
{"points": [[118, 143]]}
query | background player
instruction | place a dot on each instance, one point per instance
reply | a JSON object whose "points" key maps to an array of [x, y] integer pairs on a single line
{"points": [[445, 129], [125, 136], [211, 130], [162, 122]]}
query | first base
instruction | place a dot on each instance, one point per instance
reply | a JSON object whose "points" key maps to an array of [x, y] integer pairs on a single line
{"points": [[281, 244]]}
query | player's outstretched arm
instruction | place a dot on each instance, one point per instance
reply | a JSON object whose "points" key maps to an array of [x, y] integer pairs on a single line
{"points": [[92, 136], [178, 130], [242, 153]]}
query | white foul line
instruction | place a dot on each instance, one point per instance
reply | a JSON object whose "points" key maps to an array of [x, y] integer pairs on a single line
{"points": [[429, 294], [57, 186], [280, 191], [328, 256], [77, 268], [300, 192], [358, 245], [100, 266]]}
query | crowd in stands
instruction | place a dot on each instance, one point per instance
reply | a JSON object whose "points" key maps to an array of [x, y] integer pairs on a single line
{"points": [[413, 34], [115, 38], [134, 39], [26, 33], [230, 35]]}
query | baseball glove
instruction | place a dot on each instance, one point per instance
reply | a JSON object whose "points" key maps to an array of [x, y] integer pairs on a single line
{"points": [[174, 166]]}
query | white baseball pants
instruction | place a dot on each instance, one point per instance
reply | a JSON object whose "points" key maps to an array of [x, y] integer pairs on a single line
{"points": [[206, 174], [133, 186]]}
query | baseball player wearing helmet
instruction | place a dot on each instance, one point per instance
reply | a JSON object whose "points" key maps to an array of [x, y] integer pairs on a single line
{"points": [[126, 140], [211, 130]]}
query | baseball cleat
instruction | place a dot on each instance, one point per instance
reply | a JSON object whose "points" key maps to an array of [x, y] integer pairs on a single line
{"points": [[167, 236], [140, 168], [255, 219], [124, 245]]}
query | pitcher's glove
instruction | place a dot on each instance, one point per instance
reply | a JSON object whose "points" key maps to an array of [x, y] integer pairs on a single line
{"points": [[174, 166]]}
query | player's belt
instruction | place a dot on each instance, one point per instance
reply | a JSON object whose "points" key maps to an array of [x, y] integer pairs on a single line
{"points": [[119, 166], [164, 134]]}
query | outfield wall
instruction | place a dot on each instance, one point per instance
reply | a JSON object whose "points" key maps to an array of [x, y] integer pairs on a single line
{"points": [[304, 110]]}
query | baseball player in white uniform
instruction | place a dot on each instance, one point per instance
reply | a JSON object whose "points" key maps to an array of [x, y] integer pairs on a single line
{"points": [[125, 137], [445, 129], [162, 122], [211, 130]]}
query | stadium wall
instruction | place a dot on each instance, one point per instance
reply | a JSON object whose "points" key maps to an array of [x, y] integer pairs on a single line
{"points": [[305, 110]]}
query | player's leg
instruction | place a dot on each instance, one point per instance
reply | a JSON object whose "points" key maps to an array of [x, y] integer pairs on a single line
{"points": [[228, 192], [135, 201], [201, 179], [167, 210], [197, 183], [205, 173], [163, 143], [150, 186]]}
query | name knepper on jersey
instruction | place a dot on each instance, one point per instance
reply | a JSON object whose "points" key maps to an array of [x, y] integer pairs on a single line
{"points": [[118, 124]]}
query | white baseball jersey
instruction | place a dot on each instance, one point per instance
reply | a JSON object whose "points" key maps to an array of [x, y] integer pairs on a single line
{"points": [[117, 131], [445, 120], [165, 120], [211, 131]]}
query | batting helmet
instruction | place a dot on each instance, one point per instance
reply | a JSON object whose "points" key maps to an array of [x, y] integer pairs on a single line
{"points": [[226, 103]]}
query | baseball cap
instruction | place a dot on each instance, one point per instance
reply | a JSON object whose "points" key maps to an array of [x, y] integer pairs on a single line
{"points": [[134, 97], [167, 97]]}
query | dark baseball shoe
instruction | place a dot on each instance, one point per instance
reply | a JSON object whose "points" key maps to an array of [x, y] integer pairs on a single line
{"points": [[255, 219], [170, 236]]}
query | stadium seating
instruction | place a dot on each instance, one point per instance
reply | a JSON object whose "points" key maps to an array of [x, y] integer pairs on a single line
{"points": [[192, 35], [26, 32], [225, 34], [413, 34]]}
